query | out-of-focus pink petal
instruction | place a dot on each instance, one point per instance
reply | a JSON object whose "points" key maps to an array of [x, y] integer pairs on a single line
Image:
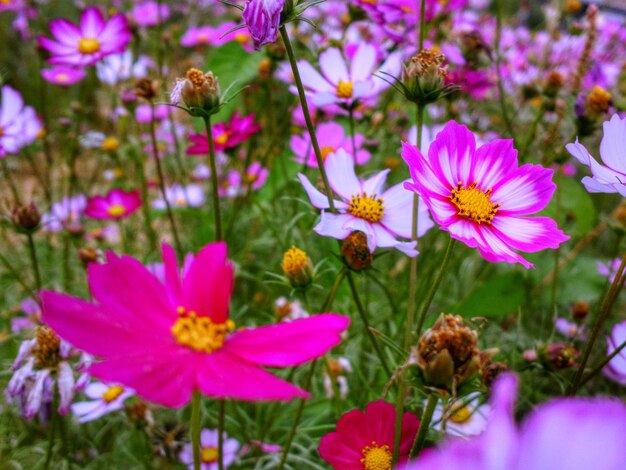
{"points": [[526, 190], [529, 234], [341, 176]]}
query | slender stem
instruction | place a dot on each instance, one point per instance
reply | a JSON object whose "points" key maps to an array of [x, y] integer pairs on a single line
{"points": [[605, 308], [333, 290], [170, 214], [434, 286], [33, 259], [52, 434], [9, 178], [307, 116], [422, 24], [195, 429], [363, 314], [214, 184], [427, 417], [557, 255], [296, 419], [352, 134], [220, 434], [596, 370], [17, 276]]}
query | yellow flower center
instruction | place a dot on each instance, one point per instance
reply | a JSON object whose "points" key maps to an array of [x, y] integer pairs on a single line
{"points": [[48, 349], [209, 454], [62, 77], [116, 210], [180, 202], [112, 393], [294, 261], [110, 144], [376, 458], [203, 38], [241, 38], [200, 333], [460, 414], [367, 207], [474, 203], [88, 45], [222, 138], [326, 150], [344, 89]]}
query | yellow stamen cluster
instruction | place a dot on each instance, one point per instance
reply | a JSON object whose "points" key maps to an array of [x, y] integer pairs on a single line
{"points": [[222, 138], [199, 79], [209, 454], [599, 99], [110, 144], [48, 348], [344, 89], [200, 333], [376, 458], [429, 62], [88, 45], [460, 414], [116, 210], [474, 203], [112, 393], [295, 261], [367, 207], [326, 150]]}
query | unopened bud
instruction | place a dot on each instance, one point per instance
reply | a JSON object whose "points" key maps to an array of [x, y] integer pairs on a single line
{"points": [[558, 356], [26, 218], [554, 82], [146, 88], [355, 251], [297, 267], [110, 144], [89, 255], [580, 310], [423, 76], [197, 90]]}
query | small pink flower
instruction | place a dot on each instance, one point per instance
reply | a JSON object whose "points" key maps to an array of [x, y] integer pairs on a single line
{"points": [[365, 440], [225, 136], [165, 340], [90, 41], [482, 197], [117, 204], [150, 13], [63, 76], [382, 216]]}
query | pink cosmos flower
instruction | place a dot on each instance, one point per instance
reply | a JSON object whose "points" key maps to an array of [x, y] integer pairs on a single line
{"points": [[609, 269], [117, 204], [363, 206], [150, 13], [482, 197], [262, 17], [19, 124], [209, 452], [65, 214], [562, 434], [610, 177], [346, 86], [256, 176], [165, 340], [208, 35], [63, 76], [331, 138], [90, 41], [616, 368], [143, 113], [365, 440], [238, 130]]}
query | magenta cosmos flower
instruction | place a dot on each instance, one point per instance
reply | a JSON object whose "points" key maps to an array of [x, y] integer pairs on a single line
{"points": [[19, 124], [262, 17], [165, 340], [117, 204], [90, 41], [482, 197], [562, 434], [364, 441], [610, 177], [382, 216], [225, 135]]}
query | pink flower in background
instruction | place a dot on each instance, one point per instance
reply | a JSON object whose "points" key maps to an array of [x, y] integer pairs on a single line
{"points": [[90, 41], [562, 434], [364, 440], [256, 176], [19, 124], [610, 177], [165, 340], [33, 314], [482, 197], [179, 196], [63, 76], [208, 35], [364, 206], [331, 138], [262, 17], [150, 13], [609, 269], [225, 136], [117, 204], [202, 35], [208, 451], [616, 368], [143, 113], [65, 214]]}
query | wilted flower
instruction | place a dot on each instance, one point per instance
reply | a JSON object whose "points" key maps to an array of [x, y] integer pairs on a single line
{"points": [[556, 356], [297, 267], [355, 251], [199, 91]]}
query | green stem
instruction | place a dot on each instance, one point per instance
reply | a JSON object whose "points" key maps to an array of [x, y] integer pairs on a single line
{"points": [[333, 290], [9, 178], [352, 134], [220, 434], [296, 419], [427, 417], [363, 314], [307, 116], [214, 183], [434, 286], [422, 24], [17, 276], [605, 308], [52, 435], [501, 93], [33, 259], [157, 160], [195, 429]]}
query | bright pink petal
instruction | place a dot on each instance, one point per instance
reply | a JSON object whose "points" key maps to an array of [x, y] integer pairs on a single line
{"points": [[529, 234], [526, 190], [492, 162], [288, 344], [172, 275], [422, 173], [91, 23], [451, 155], [65, 32]]}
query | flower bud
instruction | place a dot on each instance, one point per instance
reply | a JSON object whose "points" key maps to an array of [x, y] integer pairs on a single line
{"points": [[554, 83], [197, 90], [557, 356], [580, 310], [355, 251], [146, 88], [110, 144], [423, 76], [89, 255], [297, 267], [26, 218], [448, 354]]}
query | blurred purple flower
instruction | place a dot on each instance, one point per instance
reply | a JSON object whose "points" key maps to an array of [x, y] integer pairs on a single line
{"points": [[262, 17]]}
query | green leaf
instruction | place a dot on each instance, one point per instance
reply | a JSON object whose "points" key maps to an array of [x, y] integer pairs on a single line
{"points": [[500, 295], [576, 205]]}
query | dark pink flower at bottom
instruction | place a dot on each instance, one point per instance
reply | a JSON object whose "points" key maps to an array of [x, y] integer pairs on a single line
{"points": [[364, 441], [117, 204]]}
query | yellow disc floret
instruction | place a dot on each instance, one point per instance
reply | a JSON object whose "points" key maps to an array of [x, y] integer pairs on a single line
{"points": [[200, 333], [344, 89], [209, 454], [116, 210], [112, 393], [367, 207], [460, 414], [88, 45], [376, 458], [474, 203]]}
